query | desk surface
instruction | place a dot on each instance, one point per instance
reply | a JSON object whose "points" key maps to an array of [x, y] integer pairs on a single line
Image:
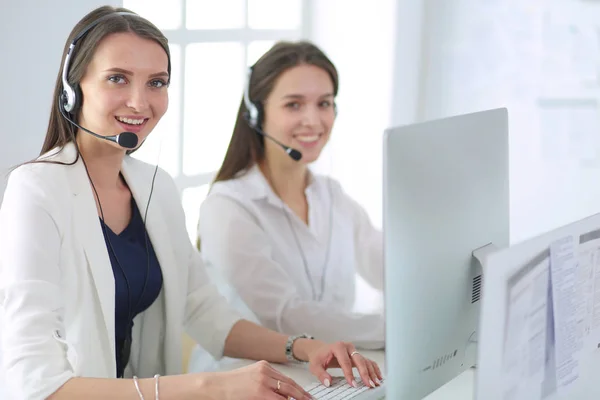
{"points": [[461, 388]]}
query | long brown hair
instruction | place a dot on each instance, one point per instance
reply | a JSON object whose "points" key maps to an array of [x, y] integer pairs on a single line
{"points": [[246, 147], [60, 131]]}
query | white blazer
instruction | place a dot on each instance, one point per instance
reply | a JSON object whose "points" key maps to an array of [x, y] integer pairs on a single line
{"points": [[57, 291], [250, 237]]}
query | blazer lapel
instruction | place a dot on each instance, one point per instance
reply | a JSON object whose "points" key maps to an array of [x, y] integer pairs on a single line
{"points": [[89, 233]]}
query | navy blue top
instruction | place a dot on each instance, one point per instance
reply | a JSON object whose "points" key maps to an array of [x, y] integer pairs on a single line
{"points": [[130, 267]]}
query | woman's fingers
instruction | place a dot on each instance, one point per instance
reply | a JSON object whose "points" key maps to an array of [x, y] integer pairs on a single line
{"points": [[361, 365], [372, 374], [378, 372], [283, 384], [340, 351], [290, 390]]}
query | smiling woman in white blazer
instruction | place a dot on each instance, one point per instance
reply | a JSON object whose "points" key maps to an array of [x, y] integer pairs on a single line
{"points": [[287, 243], [68, 217]]}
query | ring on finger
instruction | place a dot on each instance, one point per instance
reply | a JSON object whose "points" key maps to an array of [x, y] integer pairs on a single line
{"points": [[278, 386], [354, 353]]}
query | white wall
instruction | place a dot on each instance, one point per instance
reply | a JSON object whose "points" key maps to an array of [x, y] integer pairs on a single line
{"points": [[408, 79], [33, 34], [358, 36], [481, 55], [407, 61], [379, 87]]}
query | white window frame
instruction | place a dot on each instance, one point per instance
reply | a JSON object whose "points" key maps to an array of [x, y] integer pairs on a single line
{"points": [[245, 35]]}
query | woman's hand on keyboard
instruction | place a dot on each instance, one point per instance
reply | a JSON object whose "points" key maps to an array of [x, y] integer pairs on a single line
{"points": [[259, 381], [342, 355]]}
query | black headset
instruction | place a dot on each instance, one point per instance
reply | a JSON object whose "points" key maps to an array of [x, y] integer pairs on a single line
{"points": [[71, 96], [254, 113]]}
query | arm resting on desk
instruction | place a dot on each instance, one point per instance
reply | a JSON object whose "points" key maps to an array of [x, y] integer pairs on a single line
{"points": [[254, 342]]}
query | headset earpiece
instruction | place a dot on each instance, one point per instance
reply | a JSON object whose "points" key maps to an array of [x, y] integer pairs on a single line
{"points": [[254, 113], [259, 115], [71, 99]]}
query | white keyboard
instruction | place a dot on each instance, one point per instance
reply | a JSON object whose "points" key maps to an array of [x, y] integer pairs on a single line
{"points": [[341, 390]]}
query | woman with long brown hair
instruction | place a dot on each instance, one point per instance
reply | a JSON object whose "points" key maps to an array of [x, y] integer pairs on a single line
{"points": [[287, 241]]}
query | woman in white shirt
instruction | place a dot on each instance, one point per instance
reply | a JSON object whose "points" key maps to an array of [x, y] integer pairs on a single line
{"points": [[287, 241], [97, 277]]}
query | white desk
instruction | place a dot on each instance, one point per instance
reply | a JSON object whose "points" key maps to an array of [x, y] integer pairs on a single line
{"points": [[461, 388]]}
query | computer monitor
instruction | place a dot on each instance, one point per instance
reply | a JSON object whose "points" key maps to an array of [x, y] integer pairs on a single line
{"points": [[446, 195]]}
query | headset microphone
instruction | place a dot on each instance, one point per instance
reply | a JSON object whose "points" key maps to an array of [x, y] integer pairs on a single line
{"points": [[293, 153], [128, 140], [71, 97], [254, 117]]}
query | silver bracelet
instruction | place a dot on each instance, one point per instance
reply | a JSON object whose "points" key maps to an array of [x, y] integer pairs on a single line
{"points": [[289, 353], [156, 386], [137, 387]]}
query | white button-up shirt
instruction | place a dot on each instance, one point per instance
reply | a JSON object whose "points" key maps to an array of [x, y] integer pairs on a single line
{"points": [[254, 244]]}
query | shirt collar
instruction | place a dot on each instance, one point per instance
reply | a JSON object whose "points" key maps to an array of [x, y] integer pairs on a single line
{"points": [[257, 187]]}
